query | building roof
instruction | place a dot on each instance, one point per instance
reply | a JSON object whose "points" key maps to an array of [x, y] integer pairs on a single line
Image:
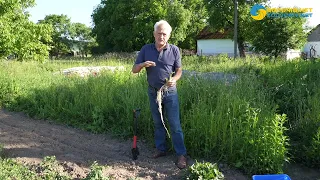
{"points": [[313, 29], [206, 33], [314, 34]]}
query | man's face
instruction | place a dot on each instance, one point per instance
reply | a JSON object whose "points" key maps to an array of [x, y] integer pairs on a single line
{"points": [[161, 35]]}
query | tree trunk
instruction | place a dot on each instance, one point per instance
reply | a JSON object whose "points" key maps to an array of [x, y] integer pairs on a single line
{"points": [[276, 54], [241, 47]]}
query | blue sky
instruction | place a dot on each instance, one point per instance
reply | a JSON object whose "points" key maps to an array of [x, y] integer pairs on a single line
{"points": [[81, 10], [77, 10]]}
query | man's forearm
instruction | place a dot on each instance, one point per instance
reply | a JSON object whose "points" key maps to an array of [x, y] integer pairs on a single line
{"points": [[137, 68]]}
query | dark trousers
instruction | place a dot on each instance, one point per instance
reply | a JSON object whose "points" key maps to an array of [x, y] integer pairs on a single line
{"points": [[170, 106]]}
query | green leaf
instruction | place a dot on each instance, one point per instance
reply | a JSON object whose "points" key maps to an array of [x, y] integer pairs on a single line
{"points": [[238, 164]]}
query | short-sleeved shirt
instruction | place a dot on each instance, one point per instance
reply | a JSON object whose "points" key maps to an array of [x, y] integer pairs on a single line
{"points": [[166, 61]]}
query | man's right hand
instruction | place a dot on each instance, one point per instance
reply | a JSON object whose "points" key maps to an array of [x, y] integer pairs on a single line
{"points": [[148, 64], [137, 68]]}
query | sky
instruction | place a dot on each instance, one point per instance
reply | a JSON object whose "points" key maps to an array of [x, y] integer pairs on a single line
{"points": [[315, 4], [81, 10], [78, 10]]}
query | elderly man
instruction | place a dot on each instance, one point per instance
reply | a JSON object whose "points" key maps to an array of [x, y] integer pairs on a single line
{"points": [[162, 60]]}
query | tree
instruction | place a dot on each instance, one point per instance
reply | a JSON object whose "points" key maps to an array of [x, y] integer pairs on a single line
{"points": [[61, 35], [179, 18], [122, 25], [68, 36], [82, 37], [221, 16], [9, 6], [274, 36], [198, 21], [20, 37]]}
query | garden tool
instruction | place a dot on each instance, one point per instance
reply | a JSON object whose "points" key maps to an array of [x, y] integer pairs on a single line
{"points": [[135, 150]]}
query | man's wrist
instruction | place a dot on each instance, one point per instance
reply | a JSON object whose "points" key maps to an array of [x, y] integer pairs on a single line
{"points": [[141, 65], [174, 78]]}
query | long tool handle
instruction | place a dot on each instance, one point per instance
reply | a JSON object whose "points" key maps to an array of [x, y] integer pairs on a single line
{"points": [[136, 113], [135, 150]]}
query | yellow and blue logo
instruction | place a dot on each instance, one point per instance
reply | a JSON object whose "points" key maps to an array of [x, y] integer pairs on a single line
{"points": [[258, 12]]}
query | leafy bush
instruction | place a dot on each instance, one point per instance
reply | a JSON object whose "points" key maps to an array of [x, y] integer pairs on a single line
{"points": [[314, 150], [202, 171], [10, 169], [50, 169], [96, 172]]}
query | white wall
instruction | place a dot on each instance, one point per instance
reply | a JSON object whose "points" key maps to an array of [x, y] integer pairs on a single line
{"points": [[215, 47], [291, 54], [316, 45]]}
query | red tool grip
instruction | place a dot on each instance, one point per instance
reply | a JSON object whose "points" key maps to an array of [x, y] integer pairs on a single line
{"points": [[134, 142]]}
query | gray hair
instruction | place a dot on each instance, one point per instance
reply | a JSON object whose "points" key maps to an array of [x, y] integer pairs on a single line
{"points": [[164, 23]]}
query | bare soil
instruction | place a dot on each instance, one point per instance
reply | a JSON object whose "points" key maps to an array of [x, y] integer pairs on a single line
{"points": [[29, 141]]}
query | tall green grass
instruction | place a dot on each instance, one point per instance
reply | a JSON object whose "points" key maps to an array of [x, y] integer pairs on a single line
{"points": [[236, 123], [97, 103], [295, 88], [246, 122]]}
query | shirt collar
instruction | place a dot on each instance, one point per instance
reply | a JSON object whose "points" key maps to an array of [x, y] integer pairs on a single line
{"points": [[165, 48]]}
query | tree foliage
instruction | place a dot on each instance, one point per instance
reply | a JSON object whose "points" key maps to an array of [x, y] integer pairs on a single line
{"points": [[198, 21], [274, 36], [19, 37], [7, 6], [127, 25], [61, 35], [82, 38], [221, 16], [68, 36], [122, 25]]}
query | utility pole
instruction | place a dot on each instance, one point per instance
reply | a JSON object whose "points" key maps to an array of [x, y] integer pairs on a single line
{"points": [[235, 36]]}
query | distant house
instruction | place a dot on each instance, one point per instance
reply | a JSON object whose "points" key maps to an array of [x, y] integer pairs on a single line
{"points": [[219, 42], [79, 47], [215, 43], [312, 47]]}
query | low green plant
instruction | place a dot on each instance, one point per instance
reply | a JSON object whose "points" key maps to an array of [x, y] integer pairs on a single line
{"points": [[204, 170], [10, 169], [314, 150], [50, 169], [96, 172]]}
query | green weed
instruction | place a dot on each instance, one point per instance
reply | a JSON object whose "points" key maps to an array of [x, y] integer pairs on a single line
{"points": [[204, 170]]}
